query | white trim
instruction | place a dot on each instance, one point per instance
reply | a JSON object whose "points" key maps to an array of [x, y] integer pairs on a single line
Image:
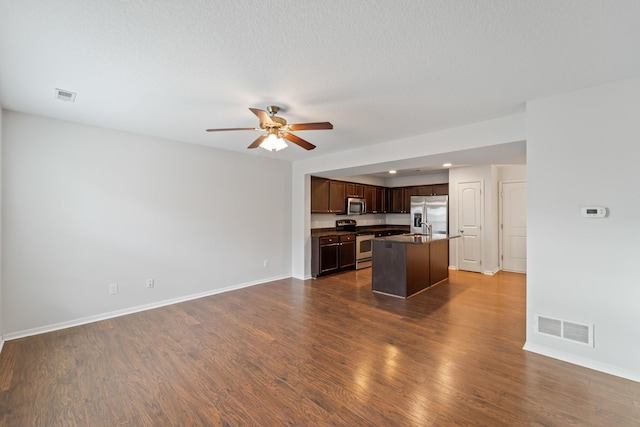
{"points": [[491, 272], [584, 362], [1, 343], [131, 310]]}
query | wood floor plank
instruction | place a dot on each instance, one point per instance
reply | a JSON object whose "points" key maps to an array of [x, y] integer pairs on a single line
{"points": [[315, 352]]}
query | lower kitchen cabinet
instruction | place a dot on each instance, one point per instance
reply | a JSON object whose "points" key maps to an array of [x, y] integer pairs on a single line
{"points": [[330, 254], [347, 251]]}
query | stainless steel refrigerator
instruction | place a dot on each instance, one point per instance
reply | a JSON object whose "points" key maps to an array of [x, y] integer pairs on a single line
{"points": [[429, 209]]}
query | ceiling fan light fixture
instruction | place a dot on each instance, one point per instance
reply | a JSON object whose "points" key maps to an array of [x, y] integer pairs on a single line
{"points": [[273, 143]]}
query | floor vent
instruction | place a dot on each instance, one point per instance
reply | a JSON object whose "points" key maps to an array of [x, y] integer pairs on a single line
{"points": [[563, 329], [65, 95]]}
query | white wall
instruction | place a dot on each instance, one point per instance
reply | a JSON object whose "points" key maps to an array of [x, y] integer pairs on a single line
{"points": [[1, 328], [482, 134], [426, 179], [582, 150], [85, 206]]}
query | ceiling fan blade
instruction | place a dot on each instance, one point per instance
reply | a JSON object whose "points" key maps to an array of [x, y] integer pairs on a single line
{"points": [[311, 126], [298, 141], [262, 115], [258, 141], [220, 130]]}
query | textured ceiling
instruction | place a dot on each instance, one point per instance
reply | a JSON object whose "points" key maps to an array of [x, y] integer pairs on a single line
{"points": [[378, 70]]}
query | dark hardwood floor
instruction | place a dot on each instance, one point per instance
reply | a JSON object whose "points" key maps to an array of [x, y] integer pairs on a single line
{"points": [[318, 352]]}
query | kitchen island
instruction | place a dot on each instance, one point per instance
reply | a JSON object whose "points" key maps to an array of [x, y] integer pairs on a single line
{"points": [[410, 263]]}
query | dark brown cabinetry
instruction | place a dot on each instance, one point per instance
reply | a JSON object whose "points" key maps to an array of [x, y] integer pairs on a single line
{"points": [[379, 202], [369, 198], [404, 269], [327, 196], [401, 196], [355, 190], [347, 252], [330, 254], [401, 199], [433, 190], [337, 197], [319, 195]]}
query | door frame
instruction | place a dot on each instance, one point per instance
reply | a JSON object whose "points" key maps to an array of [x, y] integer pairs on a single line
{"points": [[501, 217]]}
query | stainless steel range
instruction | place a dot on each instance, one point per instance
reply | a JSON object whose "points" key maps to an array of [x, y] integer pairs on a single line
{"points": [[363, 250], [363, 242]]}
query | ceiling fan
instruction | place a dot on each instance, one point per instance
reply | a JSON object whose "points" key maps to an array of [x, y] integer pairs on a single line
{"points": [[276, 129]]}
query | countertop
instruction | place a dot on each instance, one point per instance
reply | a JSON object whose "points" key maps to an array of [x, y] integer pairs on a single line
{"points": [[415, 239], [321, 232]]}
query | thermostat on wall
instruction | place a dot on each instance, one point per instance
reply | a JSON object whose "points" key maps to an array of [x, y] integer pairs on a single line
{"points": [[594, 212]]}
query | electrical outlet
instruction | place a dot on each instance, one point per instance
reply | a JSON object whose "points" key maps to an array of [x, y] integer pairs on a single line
{"points": [[113, 288], [265, 263], [150, 283]]}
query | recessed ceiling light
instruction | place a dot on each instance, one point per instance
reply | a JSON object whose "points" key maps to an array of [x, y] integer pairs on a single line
{"points": [[392, 171], [446, 165], [65, 95]]}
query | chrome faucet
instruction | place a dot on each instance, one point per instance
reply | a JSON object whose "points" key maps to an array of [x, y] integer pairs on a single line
{"points": [[428, 226]]}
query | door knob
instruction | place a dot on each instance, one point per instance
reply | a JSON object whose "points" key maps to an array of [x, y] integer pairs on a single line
{"points": [[461, 231]]}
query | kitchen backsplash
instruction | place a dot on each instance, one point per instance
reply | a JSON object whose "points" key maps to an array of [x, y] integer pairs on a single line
{"points": [[329, 220]]}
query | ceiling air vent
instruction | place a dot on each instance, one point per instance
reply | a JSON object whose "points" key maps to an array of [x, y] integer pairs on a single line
{"points": [[563, 329], [65, 95]]}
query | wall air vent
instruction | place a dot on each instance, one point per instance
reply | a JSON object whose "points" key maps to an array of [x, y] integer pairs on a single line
{"points": [[65, 95], [563, 329]]}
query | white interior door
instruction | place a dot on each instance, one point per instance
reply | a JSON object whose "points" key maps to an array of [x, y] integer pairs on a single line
{"points": [[470, 226], [514, 226]]}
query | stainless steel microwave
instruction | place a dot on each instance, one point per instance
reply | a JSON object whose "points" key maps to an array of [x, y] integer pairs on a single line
{"points": [[356, 206]]}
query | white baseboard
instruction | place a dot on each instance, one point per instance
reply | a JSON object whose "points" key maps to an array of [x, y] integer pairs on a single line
{"points": [[584, 362], [1, 343], [104, 316], [491, 272]]}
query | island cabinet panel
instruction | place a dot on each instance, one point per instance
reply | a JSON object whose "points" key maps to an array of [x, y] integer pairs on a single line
{"points": [[404, 265], [418, 268], [388, 273], [399, 269], [438, 261]]}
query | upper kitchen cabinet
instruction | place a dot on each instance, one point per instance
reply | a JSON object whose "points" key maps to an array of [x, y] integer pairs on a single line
{"points": [[433, 190], [401, 196], [337, 196], [379, 200], [327, 196], [398, 200], [319, 195], [369, 195], [355, 190]]}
